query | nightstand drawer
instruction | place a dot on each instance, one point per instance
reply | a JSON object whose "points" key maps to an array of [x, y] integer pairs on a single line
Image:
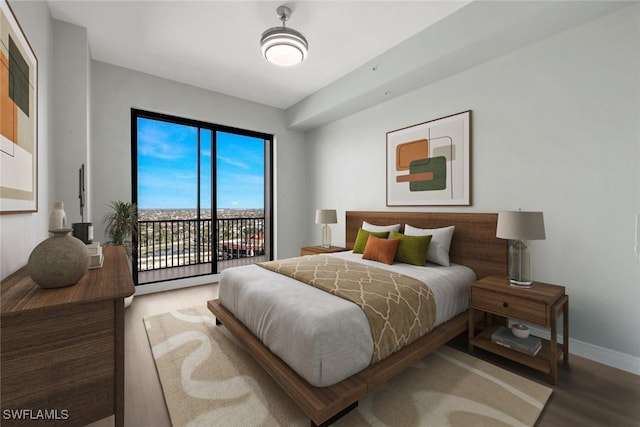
{"points": [[509, 306]]}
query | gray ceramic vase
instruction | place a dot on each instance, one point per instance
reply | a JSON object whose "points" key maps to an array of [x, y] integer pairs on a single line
{"points": [[60, 260]]}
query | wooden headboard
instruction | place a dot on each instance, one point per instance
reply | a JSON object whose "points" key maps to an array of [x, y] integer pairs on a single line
{"points": [[474, 241]]}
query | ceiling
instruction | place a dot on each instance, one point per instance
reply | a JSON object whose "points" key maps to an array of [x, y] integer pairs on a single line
{"points": [[360, 53], [215, 44]]}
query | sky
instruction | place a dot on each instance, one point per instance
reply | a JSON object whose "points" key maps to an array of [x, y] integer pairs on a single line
{"points": [[168, 168]]}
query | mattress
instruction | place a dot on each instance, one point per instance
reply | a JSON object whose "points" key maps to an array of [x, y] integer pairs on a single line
{"points": [[324, 338]]}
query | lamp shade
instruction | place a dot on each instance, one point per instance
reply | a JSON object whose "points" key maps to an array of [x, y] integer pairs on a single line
{"points": [[326, 216], [283, 46], [518, 225]]}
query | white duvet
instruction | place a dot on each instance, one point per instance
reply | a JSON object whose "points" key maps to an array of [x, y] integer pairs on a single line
{"points": [[325, 338]]}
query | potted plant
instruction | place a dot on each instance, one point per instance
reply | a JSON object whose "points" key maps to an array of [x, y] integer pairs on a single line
{"points": [[122, 224], [122, 227]]}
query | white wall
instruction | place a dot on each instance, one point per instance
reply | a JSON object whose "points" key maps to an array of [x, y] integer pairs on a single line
{"points": [[116, 90], [20, 233], [71, 123], [556, 128]]}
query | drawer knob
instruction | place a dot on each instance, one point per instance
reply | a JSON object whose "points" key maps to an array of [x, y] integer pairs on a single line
{"points": [[505, 304]]}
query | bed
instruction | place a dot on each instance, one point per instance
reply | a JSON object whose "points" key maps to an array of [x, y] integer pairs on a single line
{"points": [[474, 245]]}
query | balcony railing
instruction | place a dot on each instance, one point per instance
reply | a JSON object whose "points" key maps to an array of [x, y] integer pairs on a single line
{"points": [[184, 242]]}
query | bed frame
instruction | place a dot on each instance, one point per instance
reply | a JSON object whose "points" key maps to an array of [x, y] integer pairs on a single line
{"points": [[474, 244]]}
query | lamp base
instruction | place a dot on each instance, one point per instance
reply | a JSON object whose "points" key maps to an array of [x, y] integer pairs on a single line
{"points": [[519, 284], [326, 236], [519, 264]]}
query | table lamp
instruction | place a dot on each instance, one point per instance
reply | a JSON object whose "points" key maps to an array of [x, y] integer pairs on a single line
{"points": [[518, 226], [326, 217]]}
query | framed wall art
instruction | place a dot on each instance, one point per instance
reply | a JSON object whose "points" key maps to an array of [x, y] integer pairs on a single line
{"points": [[428, 164], [18, 117]]}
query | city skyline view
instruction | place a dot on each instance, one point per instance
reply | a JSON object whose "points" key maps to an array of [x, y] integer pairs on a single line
{"points": [[168, 168]]}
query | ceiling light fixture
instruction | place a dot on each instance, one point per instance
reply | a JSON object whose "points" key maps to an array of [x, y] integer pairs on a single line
{"points": [[283, 46]]}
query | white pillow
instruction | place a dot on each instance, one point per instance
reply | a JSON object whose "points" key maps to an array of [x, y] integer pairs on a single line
{"points": [[379, 228], [440, 242]]}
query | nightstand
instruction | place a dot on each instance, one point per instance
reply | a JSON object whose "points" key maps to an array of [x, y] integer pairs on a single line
{"points": [[539, 305], [316, 250]]}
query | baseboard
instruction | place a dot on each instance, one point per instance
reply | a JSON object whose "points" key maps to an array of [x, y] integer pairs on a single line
{"points": [[619, 360], [603, 355], [170, 285]]}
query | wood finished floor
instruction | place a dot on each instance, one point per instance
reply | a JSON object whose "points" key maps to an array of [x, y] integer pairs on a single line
{"points": [[587, 394]]}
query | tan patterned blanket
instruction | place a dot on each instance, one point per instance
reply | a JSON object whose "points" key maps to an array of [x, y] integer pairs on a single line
{"points": [[400, 309]]}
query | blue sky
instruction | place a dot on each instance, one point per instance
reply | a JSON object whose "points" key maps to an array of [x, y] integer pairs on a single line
{"points": [[167, 168]]}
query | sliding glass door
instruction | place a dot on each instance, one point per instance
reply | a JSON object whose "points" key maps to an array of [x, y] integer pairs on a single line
{"points": [[240, 199], [204, 197]]}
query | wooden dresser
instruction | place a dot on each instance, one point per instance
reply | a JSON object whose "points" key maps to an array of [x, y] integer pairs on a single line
{"points": [[62, 350]]}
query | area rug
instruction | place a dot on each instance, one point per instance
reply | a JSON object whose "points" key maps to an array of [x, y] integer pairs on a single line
{"points": [[208, 379]]}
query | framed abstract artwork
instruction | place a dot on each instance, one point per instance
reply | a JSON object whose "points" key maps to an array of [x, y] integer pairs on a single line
{"points": [[18, 117], [428, 164]]}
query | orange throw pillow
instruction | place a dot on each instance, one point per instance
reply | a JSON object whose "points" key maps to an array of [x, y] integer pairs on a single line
{"points": [[382, 250]]}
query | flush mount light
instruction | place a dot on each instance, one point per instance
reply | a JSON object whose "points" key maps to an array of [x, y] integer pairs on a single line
{"points": [[283, 46]]}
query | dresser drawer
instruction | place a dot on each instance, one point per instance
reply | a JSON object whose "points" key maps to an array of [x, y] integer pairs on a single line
{"points": [[509, 306]]}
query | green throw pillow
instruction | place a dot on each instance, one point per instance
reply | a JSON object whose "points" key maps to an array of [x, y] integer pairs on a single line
{"points": [[412, 249], [363, 235]]}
